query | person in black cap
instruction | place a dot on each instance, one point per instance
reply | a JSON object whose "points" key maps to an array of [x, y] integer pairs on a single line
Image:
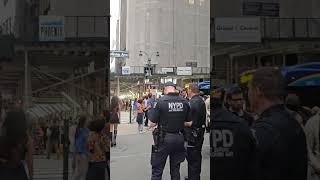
{"points": [[195, 133], [171, 113]]}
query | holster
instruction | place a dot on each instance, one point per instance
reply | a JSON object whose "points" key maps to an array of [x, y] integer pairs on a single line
{"points": [[158, 137], [193, 135]]}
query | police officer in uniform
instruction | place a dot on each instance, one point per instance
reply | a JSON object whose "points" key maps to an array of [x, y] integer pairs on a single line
{"points": [[195, 133], [232, 143], [281, 141], [170, 114]]}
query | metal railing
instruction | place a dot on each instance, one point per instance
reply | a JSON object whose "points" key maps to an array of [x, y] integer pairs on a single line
{"points": [[75, 27], [286, 28]]}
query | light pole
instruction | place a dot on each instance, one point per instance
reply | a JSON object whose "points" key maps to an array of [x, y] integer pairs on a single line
{"points": [[149, 56]]}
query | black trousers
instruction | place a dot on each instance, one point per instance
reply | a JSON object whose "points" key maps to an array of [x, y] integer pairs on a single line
{"points": [[146, 118], [173, 147], [194, 158]]}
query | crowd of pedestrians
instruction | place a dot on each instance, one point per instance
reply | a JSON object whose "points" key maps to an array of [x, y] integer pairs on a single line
{"points": [[273, 138], [21, 139]]}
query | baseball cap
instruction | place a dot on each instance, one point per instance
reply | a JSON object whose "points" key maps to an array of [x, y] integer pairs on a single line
{"points": [[169, 84]]}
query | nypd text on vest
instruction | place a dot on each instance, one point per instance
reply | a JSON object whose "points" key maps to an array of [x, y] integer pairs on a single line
{"points": [[175, 106]]}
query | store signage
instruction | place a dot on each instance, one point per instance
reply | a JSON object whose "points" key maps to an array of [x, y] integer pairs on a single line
{"points": [[237, 29], [125, 70], [184, 71], [51, 28], [167, 70]]}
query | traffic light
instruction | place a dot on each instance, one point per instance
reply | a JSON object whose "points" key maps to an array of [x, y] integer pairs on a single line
{"points": [[6, 47]]}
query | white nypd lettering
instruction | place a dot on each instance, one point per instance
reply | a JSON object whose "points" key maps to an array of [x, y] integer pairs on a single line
{"points": [[175, 106], [222, 141]]}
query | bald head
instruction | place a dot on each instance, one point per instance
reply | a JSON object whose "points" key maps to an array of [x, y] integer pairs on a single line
{"points": [[169, 89]]}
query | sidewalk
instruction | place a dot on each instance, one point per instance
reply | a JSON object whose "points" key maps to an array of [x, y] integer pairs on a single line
{"points": [[130, 159]]}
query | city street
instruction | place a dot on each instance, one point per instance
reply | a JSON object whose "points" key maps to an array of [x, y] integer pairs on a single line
{"points": [[52, 169], [131, 158]]}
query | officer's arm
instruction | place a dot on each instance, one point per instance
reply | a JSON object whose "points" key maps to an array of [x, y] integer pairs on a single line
{"points": [[188, 121], [154, 115]]}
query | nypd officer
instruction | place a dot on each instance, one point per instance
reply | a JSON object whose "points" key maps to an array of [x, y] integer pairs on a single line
{"points": [[171, 113], [232, 144], [195, 133]]}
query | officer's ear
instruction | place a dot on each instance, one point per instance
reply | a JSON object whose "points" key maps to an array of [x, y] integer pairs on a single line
{"points": [[258, 92]]}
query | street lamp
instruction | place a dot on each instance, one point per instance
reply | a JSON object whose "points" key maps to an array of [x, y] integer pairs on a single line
{"points": [[149, 59]]}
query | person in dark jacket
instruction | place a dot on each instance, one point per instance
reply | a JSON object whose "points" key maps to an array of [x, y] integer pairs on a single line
{"points": [[232, 144], [281, 142], [16, 148], [235, 100]]}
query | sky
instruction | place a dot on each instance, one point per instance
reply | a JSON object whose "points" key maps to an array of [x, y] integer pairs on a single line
{"points": [[114, 10]]}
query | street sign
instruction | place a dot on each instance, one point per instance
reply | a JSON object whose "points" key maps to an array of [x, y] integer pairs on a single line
{"points": [[167, 70], [184, 71], [119, 54], [191, 64], [51, 28], [125, 70], [238, 29]]}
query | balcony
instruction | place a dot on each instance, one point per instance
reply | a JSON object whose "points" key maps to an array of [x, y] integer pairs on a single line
{"points": [[75, 28], [286, 28]]}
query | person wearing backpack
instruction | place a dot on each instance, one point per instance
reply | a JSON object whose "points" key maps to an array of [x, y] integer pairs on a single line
{"points": [[16, 148]]}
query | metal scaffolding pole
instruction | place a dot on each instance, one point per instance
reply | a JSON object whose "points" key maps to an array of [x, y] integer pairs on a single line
{"points": [[118, 86], [27, 85], [68, 80]]}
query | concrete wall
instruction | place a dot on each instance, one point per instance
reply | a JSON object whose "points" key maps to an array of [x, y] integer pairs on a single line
{"points": [[16, 9], [82, 8], [123, 24], [177, 29], [7, 11]]}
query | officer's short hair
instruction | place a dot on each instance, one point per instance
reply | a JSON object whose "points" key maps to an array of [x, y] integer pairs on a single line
{"points": [[270, 82], [194, 88]]}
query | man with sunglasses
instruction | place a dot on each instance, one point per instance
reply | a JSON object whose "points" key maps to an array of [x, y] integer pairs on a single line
{"points": [[235, 101]]}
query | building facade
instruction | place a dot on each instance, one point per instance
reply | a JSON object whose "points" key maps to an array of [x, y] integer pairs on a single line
{"points": [[288, 33], [178, 30], [80, 51]]}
